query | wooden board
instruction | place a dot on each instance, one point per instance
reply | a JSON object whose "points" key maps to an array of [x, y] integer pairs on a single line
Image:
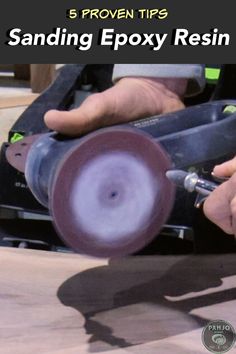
{"points": [[17, 101], [13, 102], [8, 116], [67, 303]]}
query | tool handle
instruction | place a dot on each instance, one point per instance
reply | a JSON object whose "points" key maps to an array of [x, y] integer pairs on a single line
{"points": [[205, 187]]}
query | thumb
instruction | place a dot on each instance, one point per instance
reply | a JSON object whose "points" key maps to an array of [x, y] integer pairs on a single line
{"points": [[226, 169], [89, 116]]}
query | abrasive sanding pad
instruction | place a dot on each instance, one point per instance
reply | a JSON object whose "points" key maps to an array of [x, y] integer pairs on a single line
{"points": [[110, 196]]}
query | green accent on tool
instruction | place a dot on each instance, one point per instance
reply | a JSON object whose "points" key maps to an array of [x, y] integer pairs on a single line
{"points": [[212, 75], [16, 137], [229, 109]]}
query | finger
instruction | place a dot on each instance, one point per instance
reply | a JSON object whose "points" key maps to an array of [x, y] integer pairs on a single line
{"points": [[128, 100], [226, 169], [78, 121], [233, 214], [217, 208], [98, 110]]}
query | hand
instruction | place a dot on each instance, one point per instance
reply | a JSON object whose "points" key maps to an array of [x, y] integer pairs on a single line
{"points": [[220, 206], [226, 169], [130, 99]]}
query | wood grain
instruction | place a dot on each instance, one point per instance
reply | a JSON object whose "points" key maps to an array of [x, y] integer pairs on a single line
{"points": [[68, 303], [17, 101]]}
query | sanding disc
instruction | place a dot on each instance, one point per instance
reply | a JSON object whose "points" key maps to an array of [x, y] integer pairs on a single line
{"points": [[16, 153], [110, 196]]}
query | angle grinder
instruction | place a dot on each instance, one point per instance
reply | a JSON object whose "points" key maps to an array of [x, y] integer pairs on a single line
{"points": [[107, 192]]}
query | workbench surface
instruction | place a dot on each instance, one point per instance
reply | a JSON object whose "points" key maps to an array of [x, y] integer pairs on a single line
{"points": [[68, 303]]}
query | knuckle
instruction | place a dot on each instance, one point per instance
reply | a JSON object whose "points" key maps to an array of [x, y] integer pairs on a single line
{"points": [[96, 103], [93, 99]]}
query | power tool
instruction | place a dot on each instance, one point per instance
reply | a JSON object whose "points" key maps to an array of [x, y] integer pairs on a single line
{"points": [[106, 193]]}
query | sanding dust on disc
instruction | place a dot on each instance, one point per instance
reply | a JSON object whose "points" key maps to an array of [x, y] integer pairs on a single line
{"points": [[110, 195]]}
